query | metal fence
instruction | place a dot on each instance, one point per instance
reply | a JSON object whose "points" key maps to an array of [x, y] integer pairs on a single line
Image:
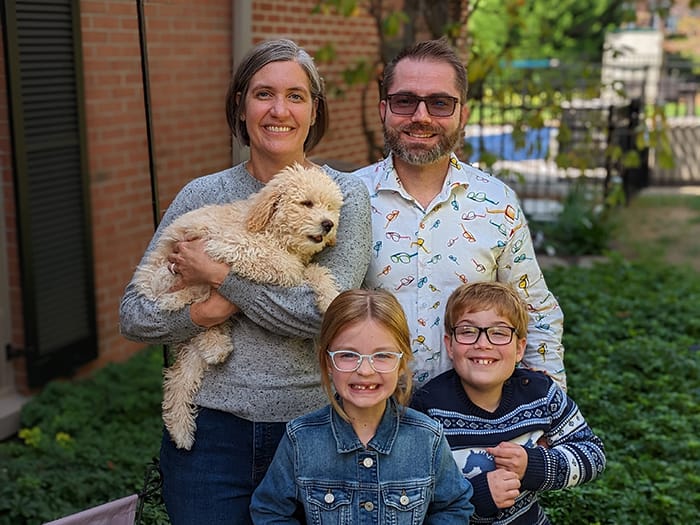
{"points": [[544, 128]]}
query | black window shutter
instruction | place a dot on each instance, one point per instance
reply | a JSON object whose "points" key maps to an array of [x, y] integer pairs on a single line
{"points": [[44, 70]]}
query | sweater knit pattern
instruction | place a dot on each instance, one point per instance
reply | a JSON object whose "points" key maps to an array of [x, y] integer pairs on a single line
{"points": [[534, 412]]}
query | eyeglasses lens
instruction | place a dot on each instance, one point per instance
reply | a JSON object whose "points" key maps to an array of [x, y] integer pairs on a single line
{"points": [[437, 105], [496, 335], [348, 361]]}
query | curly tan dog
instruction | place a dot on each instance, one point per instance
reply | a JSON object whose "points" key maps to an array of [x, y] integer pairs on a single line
{"points": [[268, 238]]}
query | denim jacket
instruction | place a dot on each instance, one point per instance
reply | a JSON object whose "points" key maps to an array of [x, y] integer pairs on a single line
{"points": [[406, 475]]}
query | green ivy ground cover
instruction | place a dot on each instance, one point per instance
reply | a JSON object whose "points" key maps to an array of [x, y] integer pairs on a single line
{"points": [[632, 343]]}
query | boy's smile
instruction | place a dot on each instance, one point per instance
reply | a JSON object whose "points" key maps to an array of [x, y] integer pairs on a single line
{"points": [[482, 366]]}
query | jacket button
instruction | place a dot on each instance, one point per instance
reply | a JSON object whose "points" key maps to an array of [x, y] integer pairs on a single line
{"points": [[404, 500], [329, 498], [368, 506], [368, 462]]}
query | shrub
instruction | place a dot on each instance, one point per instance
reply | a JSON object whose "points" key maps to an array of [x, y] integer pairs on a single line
{"points": [[585, 225], [633, 364], [84, 443]]}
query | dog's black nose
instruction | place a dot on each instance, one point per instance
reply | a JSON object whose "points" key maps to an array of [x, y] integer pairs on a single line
{"points": [[327, 226]]}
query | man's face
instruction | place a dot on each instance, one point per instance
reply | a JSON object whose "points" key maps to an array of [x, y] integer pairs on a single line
{"points": [[422, 138]]}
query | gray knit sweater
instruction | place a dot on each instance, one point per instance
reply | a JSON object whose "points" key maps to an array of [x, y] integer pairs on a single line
{"points": [[272, 374]]}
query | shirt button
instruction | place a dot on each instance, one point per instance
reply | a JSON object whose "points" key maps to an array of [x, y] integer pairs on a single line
{"points": [[404, 500], [368, 506], [368, 462], [329, 498]]}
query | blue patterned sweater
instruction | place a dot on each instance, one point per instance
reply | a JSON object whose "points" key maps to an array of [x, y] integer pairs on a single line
{"points": [[533, 410]]}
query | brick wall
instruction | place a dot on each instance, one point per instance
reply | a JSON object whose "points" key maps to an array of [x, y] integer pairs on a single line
{"points": [[190, 60]]}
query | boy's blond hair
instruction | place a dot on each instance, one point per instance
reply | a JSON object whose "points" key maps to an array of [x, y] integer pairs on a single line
{"points": [[478, 297]]}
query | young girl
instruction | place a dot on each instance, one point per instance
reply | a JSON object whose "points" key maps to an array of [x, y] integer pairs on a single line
{"points": [[365, 458]]}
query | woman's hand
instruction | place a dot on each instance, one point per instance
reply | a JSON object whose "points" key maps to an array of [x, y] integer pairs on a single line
{"points": [[194, 266], [213, 311]]}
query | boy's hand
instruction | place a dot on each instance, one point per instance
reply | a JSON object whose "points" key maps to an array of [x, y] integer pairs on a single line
{"points": [[511, 457], [504, 486]]}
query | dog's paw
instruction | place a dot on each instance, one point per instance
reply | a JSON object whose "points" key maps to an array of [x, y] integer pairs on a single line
{"points": [[323, 283]]}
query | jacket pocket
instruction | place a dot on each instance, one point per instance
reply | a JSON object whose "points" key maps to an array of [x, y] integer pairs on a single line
{"points": [[405, 504], [326, 505]]}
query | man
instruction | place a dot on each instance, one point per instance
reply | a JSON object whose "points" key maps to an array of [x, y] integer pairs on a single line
{"points": [[438, 223]]}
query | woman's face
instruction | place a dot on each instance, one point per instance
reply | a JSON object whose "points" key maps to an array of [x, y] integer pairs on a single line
{"points": [[279, 111], [364, 390]]}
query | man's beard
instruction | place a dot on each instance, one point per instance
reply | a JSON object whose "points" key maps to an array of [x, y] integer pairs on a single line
{"points": [[419, 154]]}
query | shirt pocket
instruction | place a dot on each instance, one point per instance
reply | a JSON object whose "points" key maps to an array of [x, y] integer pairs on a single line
{"points": [[405, 504], [327, 504]]}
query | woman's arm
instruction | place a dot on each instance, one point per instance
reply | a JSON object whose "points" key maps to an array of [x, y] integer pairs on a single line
{"points": [[141, 319]]}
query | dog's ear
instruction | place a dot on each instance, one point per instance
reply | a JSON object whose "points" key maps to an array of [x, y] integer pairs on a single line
{"points": [[263, 207]]}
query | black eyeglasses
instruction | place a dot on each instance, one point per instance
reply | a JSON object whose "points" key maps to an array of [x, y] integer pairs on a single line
{"points": [[497, 335], [437, 105]]}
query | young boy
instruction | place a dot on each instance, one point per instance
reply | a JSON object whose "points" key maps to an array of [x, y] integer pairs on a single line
{"points": [[512, 431]]}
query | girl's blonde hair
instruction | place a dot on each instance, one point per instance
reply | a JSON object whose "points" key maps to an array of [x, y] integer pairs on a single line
{"points": [[353, 306]]}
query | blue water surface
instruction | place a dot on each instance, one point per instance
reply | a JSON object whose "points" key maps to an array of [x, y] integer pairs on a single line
{"points": [[502, 145]]}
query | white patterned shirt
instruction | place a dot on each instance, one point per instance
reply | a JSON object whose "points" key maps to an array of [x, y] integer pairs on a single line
{"points": [[473, 230]]}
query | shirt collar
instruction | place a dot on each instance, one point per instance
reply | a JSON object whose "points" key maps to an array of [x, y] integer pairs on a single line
{"points": [[388, 179]]}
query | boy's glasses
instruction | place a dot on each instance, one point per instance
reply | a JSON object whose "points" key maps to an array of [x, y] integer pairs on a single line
{"points": [[407, 104], [497, 335], [349, 361]]}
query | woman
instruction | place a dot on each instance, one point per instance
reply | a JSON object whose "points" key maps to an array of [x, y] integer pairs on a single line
{"points": [[275, 105], [365, 457]]}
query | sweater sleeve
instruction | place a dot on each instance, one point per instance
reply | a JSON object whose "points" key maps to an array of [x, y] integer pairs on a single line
{"points": [[141, 319], [575, 455], [484, 506], [292, 311]]}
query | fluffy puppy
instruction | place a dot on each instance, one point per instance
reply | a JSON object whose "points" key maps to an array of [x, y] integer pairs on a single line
{"points": [[268, 238]]}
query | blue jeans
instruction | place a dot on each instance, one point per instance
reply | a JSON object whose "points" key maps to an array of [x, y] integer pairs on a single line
{"points": [[212, 483]]}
